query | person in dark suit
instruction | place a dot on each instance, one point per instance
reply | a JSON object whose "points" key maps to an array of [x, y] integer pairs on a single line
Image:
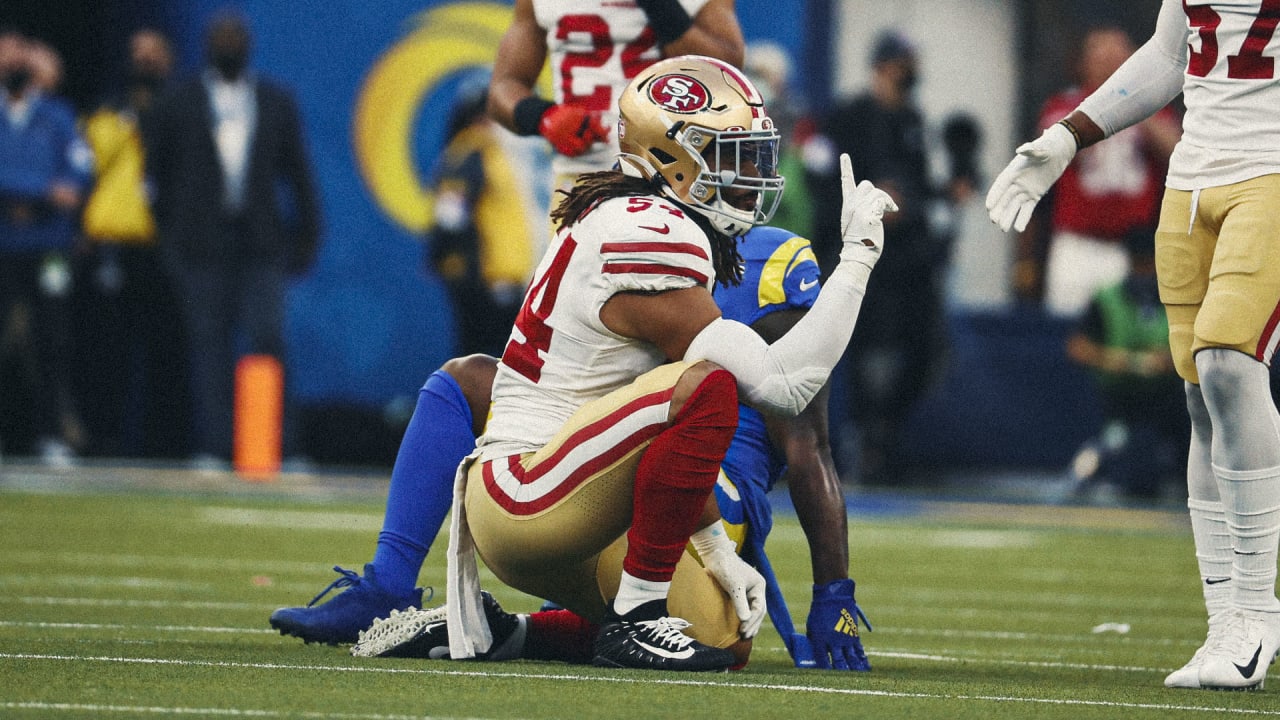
{"points": [[218, 148]]}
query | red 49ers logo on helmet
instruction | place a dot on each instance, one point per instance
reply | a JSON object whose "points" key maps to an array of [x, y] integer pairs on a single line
{"points": [[679, 94]]}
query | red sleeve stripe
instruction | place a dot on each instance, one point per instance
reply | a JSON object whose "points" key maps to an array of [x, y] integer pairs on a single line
{"points": [[655, 247], [618, 268]]}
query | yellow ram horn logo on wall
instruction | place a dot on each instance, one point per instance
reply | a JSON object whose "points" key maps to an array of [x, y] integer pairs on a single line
{"points": [[447, 39]]}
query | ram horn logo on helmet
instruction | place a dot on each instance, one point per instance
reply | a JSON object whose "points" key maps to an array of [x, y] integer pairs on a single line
{"points": [[679, 94]]}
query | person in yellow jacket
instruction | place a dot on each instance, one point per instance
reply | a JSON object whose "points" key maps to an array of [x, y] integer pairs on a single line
{"points": [[480, 242], [131, 379]]}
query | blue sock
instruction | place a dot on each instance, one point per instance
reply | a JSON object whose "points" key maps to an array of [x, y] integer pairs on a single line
{"points": [[437, 439]]}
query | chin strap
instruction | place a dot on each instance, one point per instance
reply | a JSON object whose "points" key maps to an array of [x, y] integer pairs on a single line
{"points": [[636, 167], [721, 221]]}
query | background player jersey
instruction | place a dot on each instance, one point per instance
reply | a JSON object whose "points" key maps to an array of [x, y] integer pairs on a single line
{"points": [[595, 47], [560, 355], [781, 273], [1231, 130]]}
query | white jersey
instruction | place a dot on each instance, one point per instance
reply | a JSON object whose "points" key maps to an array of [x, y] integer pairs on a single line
{"points": [[1221, 56], [1231, 131], [560, 355], [595, 47]]}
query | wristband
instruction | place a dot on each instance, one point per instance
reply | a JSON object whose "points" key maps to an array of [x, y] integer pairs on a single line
{"points": [[528, 113], [1074, 132], [668, 19]]}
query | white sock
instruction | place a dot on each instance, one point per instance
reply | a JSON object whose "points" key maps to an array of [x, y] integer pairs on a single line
{"points": [[1214, 553], [1254, 521], [1246, 461], [634, 592]]}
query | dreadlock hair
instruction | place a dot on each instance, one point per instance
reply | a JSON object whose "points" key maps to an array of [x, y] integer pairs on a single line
{"points": [[595, 187]]}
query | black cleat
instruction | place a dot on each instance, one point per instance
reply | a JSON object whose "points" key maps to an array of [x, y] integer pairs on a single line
{"points": [[648, 639]]}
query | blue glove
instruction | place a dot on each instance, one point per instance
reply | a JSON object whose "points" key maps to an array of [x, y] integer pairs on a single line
{"points": [[801, 651], [833, 627]]}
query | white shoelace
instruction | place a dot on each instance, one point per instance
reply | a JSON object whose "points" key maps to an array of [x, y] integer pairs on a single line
{"points": [[395, 630], [668, 631]]}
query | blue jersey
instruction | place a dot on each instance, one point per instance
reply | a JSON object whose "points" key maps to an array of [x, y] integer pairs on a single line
{"points": [[781, 273]]}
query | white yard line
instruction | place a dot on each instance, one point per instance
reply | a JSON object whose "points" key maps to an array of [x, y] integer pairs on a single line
{"points": [[44, 560], [291, 519], [128, 582], [122, 626], [154, 604], [642, 678], [1082, 638]]}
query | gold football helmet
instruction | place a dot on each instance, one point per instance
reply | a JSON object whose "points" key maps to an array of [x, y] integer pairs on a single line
{"points": [[699, 125]]}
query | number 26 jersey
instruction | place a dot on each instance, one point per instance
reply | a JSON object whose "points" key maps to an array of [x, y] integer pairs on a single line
{"points": [[595, 47]]}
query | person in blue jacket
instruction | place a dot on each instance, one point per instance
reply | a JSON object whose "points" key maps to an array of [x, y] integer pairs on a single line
{"points": [[45, 167]]}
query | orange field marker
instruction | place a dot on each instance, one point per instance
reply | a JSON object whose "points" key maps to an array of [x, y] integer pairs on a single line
{"points": [[259, 417]]}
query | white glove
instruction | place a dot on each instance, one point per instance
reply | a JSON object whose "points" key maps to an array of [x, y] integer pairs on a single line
{"points": [[861, 216], [1027, 177], [743, 584]]}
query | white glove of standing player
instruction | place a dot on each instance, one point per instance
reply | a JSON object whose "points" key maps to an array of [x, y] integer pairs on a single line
{"points": [[1027, 177], [861, 217], [743, 584]]}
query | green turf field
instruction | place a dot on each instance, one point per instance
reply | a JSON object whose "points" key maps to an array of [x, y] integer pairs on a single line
{"points": [[128, 599]]}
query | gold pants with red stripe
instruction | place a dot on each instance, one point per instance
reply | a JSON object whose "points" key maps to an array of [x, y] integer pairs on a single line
{"points": [[1218, 263], [553, 523]]}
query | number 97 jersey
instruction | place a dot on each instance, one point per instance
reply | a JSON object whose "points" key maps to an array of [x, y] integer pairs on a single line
{"points": [[1231, 131], [595, 47]]}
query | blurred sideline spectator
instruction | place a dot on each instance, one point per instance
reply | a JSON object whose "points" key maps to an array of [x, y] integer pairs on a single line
{"points": [[46, 67], [770, 66], [479, 242], [1109, 190], [1123, 338], [899, 345], [45, 167], [131, 360], [218, 149]]}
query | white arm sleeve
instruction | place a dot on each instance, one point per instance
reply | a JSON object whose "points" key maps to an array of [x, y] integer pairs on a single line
{"points": [[783, 377], [1147, 81]]}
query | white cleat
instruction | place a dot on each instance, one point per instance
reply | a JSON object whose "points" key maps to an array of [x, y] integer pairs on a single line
{"points": [[416, 633], [399, 634], [1240, 661], [1188, 676]]}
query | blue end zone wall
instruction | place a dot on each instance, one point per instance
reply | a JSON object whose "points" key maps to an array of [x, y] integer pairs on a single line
{"points": [[1008, 397]]}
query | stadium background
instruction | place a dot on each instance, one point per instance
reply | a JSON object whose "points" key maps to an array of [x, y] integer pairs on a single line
{"points": [[367, 326]]}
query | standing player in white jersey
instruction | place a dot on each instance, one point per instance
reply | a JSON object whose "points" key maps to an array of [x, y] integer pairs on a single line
{"points": [[1218, 262], [595, 47], [597, 464]]}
